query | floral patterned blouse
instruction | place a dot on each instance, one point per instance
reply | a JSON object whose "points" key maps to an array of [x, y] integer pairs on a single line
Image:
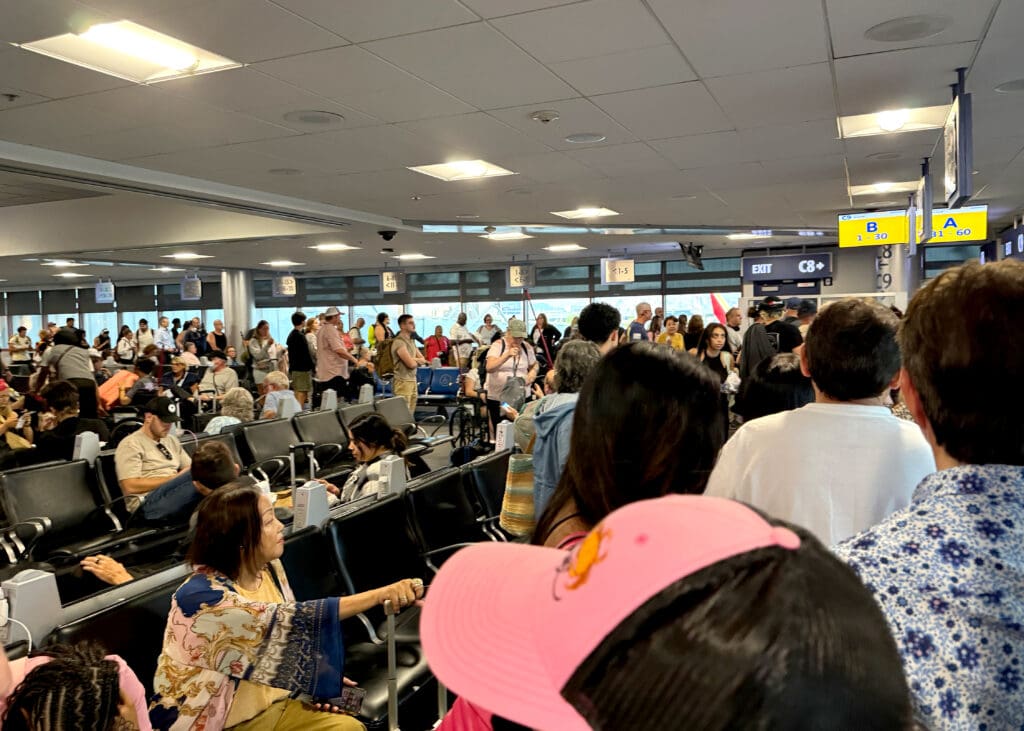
{"points": [[948, 572]]}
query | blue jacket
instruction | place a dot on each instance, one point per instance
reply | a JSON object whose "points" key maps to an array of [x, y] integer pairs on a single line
{"points": [[553, 426]]}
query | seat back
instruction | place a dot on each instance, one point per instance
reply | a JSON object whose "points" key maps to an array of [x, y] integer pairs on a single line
{"points": [[133, 629], [320, 427], [191, 445], [395, 411], [309, 574], [234, 432], [444, 382], [423, 376], [64, 492], [268, 438], [488, 475], [442, 510], [348, 414]]}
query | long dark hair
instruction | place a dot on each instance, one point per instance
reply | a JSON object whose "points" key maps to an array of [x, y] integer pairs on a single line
{"points": [[647, 423], [78, 689], [373, 430], [125, 331], [228, 530], [705, 338]]}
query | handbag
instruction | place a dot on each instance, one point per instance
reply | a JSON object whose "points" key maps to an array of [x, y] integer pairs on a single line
{"points": [[517, 509]]}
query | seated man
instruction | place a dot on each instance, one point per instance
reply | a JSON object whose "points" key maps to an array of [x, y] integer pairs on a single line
{"points": [[144, 388], [844, 462], [219, 377], [278, 393], [948, 570], [152, 468]]}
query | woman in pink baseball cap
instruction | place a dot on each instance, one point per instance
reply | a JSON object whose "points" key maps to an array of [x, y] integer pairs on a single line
{"points": [[685, 612]]}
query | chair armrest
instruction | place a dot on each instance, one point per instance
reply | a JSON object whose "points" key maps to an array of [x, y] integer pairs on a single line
{"points": [[271, 468]]}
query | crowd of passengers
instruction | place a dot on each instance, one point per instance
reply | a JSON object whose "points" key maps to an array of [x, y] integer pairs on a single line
{"points": [[849, 555]]}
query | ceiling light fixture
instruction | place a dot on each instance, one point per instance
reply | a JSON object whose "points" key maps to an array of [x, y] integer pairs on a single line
{"points": [[63, 263], [130, 51], [891, 120], [283, 263], [909, 28], [743, 237], [883, 187], [186, 256], [506, 236], [71, 275], [462, 170], [167, 269], [554, 248], [333, 247], [585, 138], [413, 257], [586, 212], [467, 216], [1011, 87]]}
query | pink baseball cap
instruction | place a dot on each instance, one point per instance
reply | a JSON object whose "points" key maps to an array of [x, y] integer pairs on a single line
{"points": [[507, 625]]}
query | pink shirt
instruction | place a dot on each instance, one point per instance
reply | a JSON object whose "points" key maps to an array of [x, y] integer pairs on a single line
{"points": [[129, 683], [328, 363]]}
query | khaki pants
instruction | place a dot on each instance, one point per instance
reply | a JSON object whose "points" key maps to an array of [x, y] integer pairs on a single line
{"points": [[409, 391], [292, 715]]}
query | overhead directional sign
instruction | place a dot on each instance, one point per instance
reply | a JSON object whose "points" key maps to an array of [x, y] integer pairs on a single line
{"points": [[787, 267], [1012, 243], [949, 226]]}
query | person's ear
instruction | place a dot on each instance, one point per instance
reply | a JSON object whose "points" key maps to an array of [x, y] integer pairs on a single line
{"points": [[238, 469], [910, 396], [805, 364]]}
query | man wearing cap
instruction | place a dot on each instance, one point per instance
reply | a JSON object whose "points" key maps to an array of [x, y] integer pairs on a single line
{"points": [[790, 313], [20, 348], [218, 379], [332, 357], [784, 334], [144, 388], [407, 359], [845, 462], [806, 313], [152, 468], [948, 570]]}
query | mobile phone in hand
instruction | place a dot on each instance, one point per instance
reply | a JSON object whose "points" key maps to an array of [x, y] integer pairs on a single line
{"points": [[351, 700]]}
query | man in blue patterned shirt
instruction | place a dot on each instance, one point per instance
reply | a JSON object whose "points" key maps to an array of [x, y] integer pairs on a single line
{"points": [[948, 570]]}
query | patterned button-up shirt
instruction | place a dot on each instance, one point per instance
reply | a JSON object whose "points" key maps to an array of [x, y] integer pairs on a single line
{"points": [[948, 571]]}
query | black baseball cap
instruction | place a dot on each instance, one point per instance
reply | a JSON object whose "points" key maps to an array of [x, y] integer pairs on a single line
{"points": [[163, 408], [792, 303], [216, 354], [771, 303], [807, 307]]}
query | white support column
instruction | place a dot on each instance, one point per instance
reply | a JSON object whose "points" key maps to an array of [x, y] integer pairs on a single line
{"points": [[239, 304]]}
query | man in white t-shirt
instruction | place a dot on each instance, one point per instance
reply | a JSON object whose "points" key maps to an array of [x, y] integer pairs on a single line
{"points": [[844, 462], [463, 340]]}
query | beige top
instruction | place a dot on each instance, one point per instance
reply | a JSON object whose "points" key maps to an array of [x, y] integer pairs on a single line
{"points": [[138, 456], [402, 371], [221, 381]]}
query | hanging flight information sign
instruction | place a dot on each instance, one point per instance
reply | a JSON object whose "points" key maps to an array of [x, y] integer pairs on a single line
{"points": [[104, 293], [284, 285], [617, 271], [522, 275], [392, 282], [890, 227], [191, 289]]}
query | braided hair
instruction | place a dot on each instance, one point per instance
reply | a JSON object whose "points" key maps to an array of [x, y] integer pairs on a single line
{"points": [[78, 689]]}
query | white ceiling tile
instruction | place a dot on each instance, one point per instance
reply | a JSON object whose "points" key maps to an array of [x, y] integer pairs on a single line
{"points": [[550, 167], [129, 143], [734, 177], [352, 118], [473, 136], [697, 151], [49, 77], [367, 20], [848, 22], [666, 111], [814, 167], [737, 36], [633, 69], [778, 97], [998, 61], [138, 10], [622, 160], [830, 195], [23, 98], [241, 90], [237, 158], [808, 138], [244, 30], [582, 30], [32, 21], [475, 63], [358, 79], [918, 77], [498, 8], [51, 123], [575, 116]]}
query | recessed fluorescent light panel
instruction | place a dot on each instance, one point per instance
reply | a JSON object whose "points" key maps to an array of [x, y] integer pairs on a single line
{"points": [[186, 256], [555, 248], [63, 263], [71, 275], [167, 269], [283, 263], [507, 236], [884, 187], [131, 51], [412, 257], [890, 121], [743, 237], [334, 247], [586, 213], [462, 170]]}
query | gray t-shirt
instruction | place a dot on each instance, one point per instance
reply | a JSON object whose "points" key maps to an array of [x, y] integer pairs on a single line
{"points": [[74, 362]]}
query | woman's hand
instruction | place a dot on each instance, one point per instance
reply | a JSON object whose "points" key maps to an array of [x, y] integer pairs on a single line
{"points": [[402, 593], [107, 569]]}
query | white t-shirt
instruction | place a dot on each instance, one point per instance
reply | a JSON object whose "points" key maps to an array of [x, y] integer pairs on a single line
{"points": [[519, 366], [835, 469], [459, 332]]}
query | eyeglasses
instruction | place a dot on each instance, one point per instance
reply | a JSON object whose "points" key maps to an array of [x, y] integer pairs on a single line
{"points": [[164, 450]]}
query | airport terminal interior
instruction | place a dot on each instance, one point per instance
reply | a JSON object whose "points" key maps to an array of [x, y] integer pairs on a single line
{"points": [[504, 364]]}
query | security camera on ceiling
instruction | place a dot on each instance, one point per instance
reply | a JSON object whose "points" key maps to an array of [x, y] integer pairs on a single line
{"points": [[692, 254], [387, 235]]}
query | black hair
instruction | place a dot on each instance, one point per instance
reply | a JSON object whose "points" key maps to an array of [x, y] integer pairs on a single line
{"points": [[671, 317], [298, 318], [404, 318], [381, 317], [373, 430], [145, 365], [851, 349], [67, 336], [77, 689], [228, 529], [597, 321], [776, 384], [705, 338], [660, 434], [61, 396], [769, 639]]}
